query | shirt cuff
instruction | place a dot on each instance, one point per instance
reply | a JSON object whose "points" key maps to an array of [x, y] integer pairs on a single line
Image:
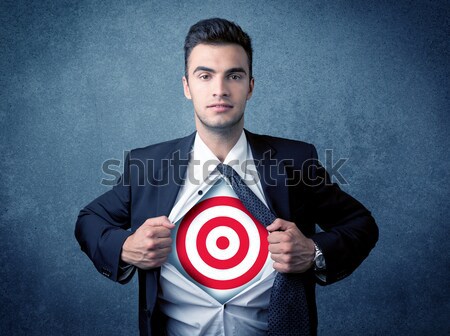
{"points": [[124, 271], [322, 276]]}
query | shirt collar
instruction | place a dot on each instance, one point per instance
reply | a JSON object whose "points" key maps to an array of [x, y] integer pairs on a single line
{"points": [[205, 162]]}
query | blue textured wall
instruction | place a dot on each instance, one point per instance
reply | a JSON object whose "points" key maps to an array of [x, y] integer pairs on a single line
{"points": [[81, 81]]}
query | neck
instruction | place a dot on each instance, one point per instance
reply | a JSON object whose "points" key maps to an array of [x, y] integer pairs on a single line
{"points": [[220, 142]]}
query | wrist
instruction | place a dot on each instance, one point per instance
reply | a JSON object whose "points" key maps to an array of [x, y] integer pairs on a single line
{"points": [[124, 254]]}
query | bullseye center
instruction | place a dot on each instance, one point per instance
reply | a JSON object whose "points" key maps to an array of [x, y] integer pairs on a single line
{"points": [[222, 242]]}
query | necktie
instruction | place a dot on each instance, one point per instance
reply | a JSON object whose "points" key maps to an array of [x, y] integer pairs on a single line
{"points": [[288, 310]]}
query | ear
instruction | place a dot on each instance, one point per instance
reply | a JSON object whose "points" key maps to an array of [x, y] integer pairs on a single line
{"points": [[251, 86], [187, 92]]}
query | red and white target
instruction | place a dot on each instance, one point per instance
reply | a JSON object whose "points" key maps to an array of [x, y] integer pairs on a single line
{"points": [[220, 244]]}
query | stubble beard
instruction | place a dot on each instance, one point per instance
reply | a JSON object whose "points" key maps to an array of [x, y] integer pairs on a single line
{"points": [[220, 127]]}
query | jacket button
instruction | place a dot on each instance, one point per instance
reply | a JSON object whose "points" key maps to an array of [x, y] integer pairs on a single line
{"points": [[106, 272]]}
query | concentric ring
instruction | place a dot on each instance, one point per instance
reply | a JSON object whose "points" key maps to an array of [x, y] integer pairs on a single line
{"points": [[223, 221]]}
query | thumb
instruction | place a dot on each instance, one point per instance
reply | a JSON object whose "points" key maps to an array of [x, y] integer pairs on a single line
{"points": [[279, 225]]}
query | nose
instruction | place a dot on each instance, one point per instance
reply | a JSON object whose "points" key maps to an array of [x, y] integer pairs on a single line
{"points": [[220, 88]]}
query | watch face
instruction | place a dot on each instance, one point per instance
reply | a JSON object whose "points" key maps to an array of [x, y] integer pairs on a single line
{"points": [[320, 262]]}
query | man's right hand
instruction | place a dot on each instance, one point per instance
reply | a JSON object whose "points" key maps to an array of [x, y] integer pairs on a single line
{"points": [[150, 245]]}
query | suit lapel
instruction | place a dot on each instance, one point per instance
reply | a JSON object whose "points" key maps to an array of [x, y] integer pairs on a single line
{"points": [[270, 167], [272, 175], [173, 173]]}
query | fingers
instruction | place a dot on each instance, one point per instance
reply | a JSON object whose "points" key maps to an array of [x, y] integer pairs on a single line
{"points": [[282, 247], [282, 268], [290, 262], [157, 227], [280, 225], [157, 253], [156, 232], [159, 221], [158, 244], [278, 237], [154, 255], [150, 245], [290, 250]]}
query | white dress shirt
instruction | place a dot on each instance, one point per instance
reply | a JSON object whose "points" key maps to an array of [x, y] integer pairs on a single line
{"points": [[195, 310]]}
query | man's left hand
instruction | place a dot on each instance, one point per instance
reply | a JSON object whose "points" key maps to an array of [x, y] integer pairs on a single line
{"points": [[291, 251]]}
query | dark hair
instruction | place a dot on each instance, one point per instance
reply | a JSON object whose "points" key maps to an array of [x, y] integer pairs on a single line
{"points": [[216, 31]]}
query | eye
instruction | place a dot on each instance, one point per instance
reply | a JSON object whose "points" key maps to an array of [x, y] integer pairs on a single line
{"points": [[235, 76], [204, 76]]}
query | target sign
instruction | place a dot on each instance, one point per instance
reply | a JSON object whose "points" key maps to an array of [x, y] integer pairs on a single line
{"points": [[220, 244]]}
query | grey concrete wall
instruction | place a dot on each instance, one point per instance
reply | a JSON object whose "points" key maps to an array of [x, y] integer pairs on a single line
{"points": [[83, 81]]}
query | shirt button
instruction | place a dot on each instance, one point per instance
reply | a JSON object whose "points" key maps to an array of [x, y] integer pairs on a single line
{"points": [[200, 192]]}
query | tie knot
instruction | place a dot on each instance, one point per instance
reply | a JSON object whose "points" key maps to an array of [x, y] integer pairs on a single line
{"points": [[226, 170]]}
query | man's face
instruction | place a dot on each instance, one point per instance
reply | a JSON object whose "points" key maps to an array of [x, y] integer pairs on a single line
{"points": [[219, 86]]}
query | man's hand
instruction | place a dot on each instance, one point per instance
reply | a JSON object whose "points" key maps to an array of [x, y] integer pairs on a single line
{"points": [[150, 245], [291, 251]]}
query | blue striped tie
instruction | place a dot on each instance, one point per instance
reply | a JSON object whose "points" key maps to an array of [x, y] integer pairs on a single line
{"points": [[288, 309]]}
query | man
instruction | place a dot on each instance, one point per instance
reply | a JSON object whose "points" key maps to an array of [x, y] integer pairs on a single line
{"points": [[193, 218]]}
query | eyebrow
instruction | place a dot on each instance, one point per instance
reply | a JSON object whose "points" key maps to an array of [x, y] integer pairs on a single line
{"points": [[232, 70]]}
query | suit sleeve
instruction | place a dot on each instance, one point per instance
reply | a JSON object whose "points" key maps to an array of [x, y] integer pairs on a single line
{"points": [[101, 228], [349, 230]]}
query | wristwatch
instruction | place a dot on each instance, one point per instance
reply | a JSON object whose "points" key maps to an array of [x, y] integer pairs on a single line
{"points": [[319, 259]]}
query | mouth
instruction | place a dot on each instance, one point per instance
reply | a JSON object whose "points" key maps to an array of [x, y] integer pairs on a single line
{"points": [[220, 107]]}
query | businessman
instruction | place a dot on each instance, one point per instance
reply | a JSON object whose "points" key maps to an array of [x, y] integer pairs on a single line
{"points": [[220, 225]]}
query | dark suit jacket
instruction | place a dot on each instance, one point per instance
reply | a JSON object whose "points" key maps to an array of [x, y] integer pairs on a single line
{"points": [[297, 189]]}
